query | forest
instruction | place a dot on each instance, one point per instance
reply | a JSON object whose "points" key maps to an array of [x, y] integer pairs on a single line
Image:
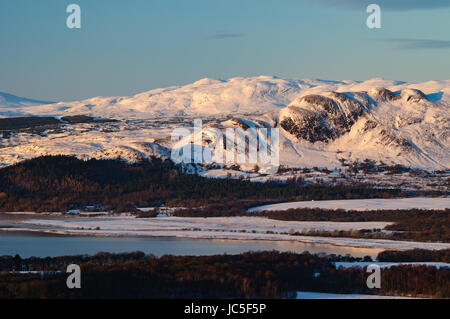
{"points": [[14, 123], [248, 275], [415, 255], [60, 183], [18, 123]]}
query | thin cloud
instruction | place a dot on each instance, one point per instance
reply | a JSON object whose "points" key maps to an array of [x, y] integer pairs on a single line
{"points": [[396, 5], [417, 44], [224, 35]]}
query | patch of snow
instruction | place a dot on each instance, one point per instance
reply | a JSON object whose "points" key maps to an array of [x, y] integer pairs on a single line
{"points": [[390, 264], [437, 203], [322, 295]]}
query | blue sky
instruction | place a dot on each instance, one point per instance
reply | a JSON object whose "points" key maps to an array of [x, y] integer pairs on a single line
{"points": [[127, 47]]}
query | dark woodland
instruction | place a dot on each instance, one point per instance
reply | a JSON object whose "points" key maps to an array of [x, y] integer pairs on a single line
{"points": [[60, 183], [249, 275]]}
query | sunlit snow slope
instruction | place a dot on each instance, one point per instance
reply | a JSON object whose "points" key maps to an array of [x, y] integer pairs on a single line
{"points": [[320, 121]]}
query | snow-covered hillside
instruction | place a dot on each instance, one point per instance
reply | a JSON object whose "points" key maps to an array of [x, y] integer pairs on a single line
{"points": [[322, 127], [214, 97], [204, 97], [11, 105], [406, 127], [321, 122]]}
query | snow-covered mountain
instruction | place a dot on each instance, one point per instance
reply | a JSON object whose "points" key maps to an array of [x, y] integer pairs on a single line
{"points": [[321, 122], [253, 95], [204, 97], [11, 105], [405, 127]]}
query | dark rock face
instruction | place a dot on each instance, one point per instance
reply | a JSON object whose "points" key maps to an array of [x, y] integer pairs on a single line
{"points": [[414, 96], [385, 95], [311, 129], [389, 139], [369, 125], [321, 118], [325, 103], [240, 123]]}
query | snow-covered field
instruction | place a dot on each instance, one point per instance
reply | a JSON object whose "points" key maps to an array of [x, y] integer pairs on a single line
{"points": [[438, 203], [249, 224], [391, 264], [322, 295], [241, 228]]}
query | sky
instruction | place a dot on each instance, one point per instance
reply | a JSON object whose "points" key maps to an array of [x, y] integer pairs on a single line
{"points": [[128, 47]]}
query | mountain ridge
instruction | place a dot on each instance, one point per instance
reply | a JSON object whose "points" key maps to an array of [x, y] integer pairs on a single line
{"points": [[321, 122], [213, 97]]}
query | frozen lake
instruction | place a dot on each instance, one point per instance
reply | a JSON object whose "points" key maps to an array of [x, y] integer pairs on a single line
{"points": [[55, 235], [28, 244]]}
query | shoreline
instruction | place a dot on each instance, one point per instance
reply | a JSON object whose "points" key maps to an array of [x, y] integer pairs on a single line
{"points": [[340, 242]]}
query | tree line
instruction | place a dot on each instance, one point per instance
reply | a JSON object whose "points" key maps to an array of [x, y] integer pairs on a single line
{"points": [[248, 275], [60, 183], [415, 255]]}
